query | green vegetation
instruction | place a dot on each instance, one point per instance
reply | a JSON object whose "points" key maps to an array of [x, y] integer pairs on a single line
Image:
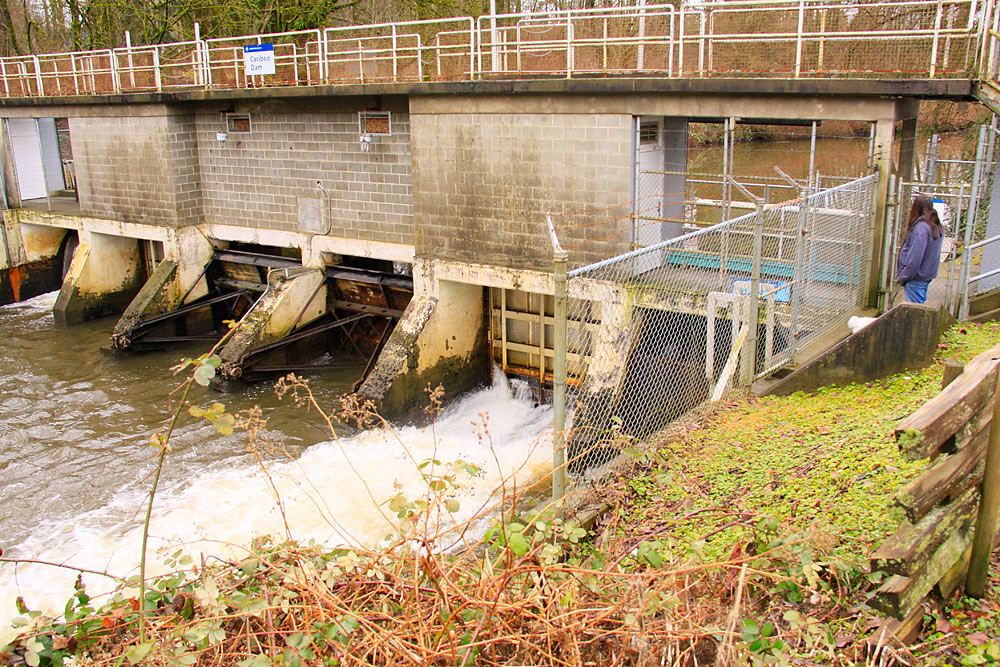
{"points": [[739, 536]]}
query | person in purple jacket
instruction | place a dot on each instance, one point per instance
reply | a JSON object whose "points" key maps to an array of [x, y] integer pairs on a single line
{"points": [[920, 255]]}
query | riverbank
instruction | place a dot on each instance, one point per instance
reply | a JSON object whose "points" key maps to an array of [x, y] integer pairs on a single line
{"points": [[739, 535]]}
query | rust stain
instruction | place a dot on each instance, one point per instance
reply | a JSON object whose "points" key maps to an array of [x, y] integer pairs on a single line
{"points": [[17, 276]]}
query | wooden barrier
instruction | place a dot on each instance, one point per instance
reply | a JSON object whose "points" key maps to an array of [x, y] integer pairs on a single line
{"points": [[931, 551]]}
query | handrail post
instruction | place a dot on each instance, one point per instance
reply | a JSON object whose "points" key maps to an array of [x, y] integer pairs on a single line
{"points": [[38, 75], [559, 345], [156, 69], [680, 38], [989, 505], [937, 38], [395, 61], [798, 38], [751, 347]]}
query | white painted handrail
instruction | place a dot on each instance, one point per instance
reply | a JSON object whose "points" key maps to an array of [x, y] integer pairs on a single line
{"points": [[795, 38]]}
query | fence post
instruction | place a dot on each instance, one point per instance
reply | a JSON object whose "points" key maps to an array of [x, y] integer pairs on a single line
{"points": [[798, 38], [559, 257], [970, 223], [751, 347], [798, 276], [989, 504]]}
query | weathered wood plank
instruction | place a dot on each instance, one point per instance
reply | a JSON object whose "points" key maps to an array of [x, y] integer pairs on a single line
{"points": [[952, 369], [896, 633], [945, 480], [922, 433], [909, 550], [898, 595], [955, 576]]}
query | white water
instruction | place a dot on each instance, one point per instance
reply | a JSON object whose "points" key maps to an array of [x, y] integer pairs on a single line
{"points": [[222, 507]]}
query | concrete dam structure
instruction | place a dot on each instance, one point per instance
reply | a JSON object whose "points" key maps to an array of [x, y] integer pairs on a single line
{"points": [[384, 193]]}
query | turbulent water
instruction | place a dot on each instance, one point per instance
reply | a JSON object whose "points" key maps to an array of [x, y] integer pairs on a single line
{"points": [[76, 463]]}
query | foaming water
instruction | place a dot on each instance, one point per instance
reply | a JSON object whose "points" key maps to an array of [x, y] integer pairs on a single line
{"points": [[75, 462]]}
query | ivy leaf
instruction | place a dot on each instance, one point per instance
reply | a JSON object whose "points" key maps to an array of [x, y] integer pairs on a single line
{"points": [[451, 505], [518, 543]]}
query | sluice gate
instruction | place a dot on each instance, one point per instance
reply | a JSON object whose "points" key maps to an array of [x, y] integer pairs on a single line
{"points": [[343, 319]]}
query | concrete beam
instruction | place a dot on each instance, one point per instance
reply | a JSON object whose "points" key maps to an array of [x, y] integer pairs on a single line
{"points": [[102, 279], [710, 105], [954, 89]]}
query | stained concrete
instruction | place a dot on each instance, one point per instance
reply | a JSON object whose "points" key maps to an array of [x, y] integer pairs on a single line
{"points": [[901, 339], [102, 279]]}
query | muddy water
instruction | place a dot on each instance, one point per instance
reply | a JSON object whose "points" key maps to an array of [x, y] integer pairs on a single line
{"points": [[75, 459]]}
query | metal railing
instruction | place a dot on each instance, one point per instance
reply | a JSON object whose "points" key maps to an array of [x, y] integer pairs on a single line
{"points": [[738, 38]]}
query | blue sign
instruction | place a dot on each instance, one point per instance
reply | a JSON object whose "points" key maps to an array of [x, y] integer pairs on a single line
{"points": [[258, 59]]}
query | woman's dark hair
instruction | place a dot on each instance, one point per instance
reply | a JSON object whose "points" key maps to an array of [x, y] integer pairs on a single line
{"points": [[923, 209]]}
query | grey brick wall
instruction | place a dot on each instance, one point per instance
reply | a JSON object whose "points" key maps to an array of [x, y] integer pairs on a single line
{"points": [[256, 179], [182, 136], [483, 183], [124, 168]]}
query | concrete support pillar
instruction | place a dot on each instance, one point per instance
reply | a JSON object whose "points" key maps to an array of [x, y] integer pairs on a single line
{"points": [[31, 259], [884, 135], [592, 420], [294, 298], [104, 276], [178, 279], [440, 340]]}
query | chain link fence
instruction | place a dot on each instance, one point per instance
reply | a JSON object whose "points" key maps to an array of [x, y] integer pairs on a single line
{"points": [[655, 332]]}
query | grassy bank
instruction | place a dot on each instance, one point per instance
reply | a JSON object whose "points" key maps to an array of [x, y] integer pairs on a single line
{"points": [[740, 536]]}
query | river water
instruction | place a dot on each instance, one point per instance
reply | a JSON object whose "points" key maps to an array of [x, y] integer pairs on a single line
{"points": [[76, 462]]}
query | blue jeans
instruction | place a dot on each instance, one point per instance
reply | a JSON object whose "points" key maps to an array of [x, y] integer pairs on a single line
{"points": [[916, 290]]}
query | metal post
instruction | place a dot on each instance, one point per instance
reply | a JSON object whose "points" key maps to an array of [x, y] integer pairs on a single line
{"points": [[494, 38], [888, 240], [751, 348], [640, 55], [798, 284], [951, 302], [559, 345], [798, 39], [395, 59], [200, 78], [937, 39], [156, 69], [970, 223], [989, 504]]}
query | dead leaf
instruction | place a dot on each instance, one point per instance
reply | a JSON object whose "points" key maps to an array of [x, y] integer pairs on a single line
{"points": [[843, 640], [978, 638], [107, 622], [943, 626]]}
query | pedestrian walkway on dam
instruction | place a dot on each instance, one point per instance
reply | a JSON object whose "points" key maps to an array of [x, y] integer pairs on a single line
{"points": [[804, 40]]}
